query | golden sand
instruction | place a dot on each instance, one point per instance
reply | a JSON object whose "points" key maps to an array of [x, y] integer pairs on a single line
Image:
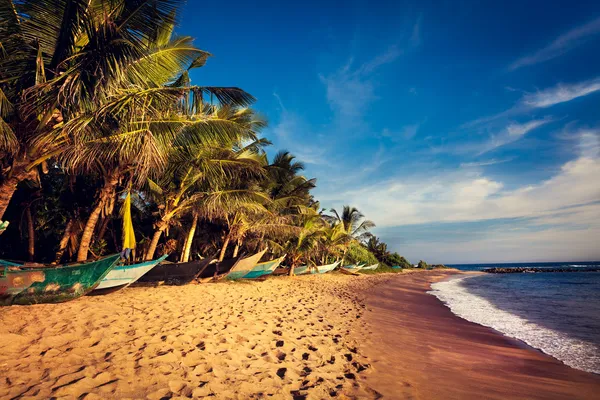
{"points": [[279, 339]]}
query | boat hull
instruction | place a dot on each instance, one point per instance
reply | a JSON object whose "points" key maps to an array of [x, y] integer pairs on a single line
{"points": [[179, 273], [52, 284], [263, 269], [323, 269], [124, 275], [370, 267], [244, 266]]}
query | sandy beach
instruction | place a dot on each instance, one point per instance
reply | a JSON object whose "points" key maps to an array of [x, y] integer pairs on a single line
{"points": [[314, 337], [282, 338]]}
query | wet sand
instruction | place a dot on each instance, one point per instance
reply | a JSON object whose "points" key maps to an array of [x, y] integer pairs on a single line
{"points": [[283, 338], [420, 350]]}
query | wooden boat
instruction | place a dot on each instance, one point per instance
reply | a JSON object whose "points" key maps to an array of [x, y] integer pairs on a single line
{"points": [[244, 266], [32, 285], [323, 269], [124, 275], [320, 269], [302, 270], [177, 273], [370, 267], [265, 268]]}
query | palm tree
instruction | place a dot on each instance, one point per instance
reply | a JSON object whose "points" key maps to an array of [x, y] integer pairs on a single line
{"points": [[200, 179], [353, 221], [95, 80], [378, 248]]}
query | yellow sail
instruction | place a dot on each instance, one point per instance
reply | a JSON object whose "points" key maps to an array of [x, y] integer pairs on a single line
{"points": [[128, 233]]}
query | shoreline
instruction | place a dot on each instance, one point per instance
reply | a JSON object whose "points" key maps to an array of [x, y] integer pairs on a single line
{"points": [[315, 336], [420, 349]]}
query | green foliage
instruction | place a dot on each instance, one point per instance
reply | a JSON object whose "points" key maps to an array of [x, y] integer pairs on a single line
{"points": [[358, 254], [395, 259], [423, 265]]}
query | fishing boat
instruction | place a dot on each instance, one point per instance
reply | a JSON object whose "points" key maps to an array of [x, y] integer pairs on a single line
{"points": [[124, 275], [320, 269], [177, 273], [20, 284], [323, 269], [265, 268], [370, 267], [354, 267], [301, 270], [244, 266], [9, 263]]}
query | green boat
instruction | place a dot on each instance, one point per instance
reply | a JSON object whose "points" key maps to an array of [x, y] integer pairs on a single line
{"points": [[32, 285]]}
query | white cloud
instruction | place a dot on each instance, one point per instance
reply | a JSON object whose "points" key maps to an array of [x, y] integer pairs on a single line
{"points": [[545, 98], [465, 195], [560, 45], [561, 93], [513, 132]]}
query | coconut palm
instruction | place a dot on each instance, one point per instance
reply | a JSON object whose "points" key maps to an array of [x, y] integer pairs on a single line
{"points": [[98, 75], [353, 221], [201, 180]]}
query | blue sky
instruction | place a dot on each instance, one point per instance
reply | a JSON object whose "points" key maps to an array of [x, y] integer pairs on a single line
{"points": [[468, 132]]}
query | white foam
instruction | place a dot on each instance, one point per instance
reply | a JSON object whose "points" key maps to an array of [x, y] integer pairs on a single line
{"points": [[573, 352]]}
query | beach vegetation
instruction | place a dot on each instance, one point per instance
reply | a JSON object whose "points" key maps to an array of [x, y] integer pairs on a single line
{"points": [[96, 102]]}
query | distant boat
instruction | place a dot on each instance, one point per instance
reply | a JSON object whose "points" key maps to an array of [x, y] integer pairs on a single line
{"points": [[370, 267], [177, 273], [124, 275], [321, 269], [265, 268], [354, 267], [397, 267], [244, 266], [21, 284]]}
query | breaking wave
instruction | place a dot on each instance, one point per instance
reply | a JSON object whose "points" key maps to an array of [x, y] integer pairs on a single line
{"points": [[573, 352]]}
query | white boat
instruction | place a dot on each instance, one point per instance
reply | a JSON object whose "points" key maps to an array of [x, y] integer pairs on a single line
{"points": [[124, 275], [370, 267]]}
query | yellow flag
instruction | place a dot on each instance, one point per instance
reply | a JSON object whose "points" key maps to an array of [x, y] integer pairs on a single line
{"points": [[128, 233]]}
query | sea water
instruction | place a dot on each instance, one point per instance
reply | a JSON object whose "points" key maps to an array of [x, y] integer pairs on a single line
{"points": [[555, 312]]}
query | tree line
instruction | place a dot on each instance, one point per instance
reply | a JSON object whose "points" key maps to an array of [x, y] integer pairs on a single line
{"points": [[96, 103]]}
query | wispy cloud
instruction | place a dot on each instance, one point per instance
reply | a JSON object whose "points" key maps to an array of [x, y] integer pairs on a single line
{"points": [[561, 93], [351, 90], [288, 132], [486, 163], [560, 45], [415, 37], [407, 132]]}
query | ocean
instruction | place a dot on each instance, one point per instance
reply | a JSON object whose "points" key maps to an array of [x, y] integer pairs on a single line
{"points": [[555, 312]]}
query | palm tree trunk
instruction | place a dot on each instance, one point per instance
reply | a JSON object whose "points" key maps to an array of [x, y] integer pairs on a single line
{"points": [[30, 234], [190, 239], [185, 242], [154, 243], [9, 185], [103, 227], [224, 248], [64, 241], [106, 193], [236, 249]]}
